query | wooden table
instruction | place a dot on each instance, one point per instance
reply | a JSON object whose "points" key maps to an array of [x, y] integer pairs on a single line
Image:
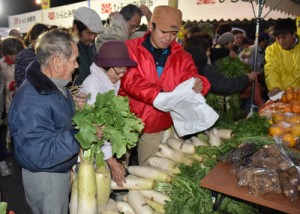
{"points": [[222, 179]]}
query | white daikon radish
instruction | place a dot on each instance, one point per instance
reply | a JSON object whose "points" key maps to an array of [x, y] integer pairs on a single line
{"points": [[225, 133], [125, 197], [125, 208], [111, 208], [181, 146], [214, 138], [164, 164], [197, 142], [103, 181], [134, 183], [174, 133], [166, 134], [73, 199], [157, 207], [87, 189], [179, 157], [188, 141], [156, 196], [149, 172], [138, 203]]}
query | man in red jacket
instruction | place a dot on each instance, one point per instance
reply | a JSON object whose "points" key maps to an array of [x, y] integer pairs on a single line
{"points": [[162, 65]]}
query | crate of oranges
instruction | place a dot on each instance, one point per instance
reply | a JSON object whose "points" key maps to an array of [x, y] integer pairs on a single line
{"points": [[288, 103]]}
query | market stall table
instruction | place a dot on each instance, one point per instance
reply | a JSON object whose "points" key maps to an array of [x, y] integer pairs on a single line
{"points": [[222, 179]]}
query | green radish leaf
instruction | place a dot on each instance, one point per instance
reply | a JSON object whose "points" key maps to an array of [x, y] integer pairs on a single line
{"points": [[121, 127]]}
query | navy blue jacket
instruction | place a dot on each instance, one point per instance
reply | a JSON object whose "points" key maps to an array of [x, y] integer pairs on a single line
{"points": [[40, 121]]}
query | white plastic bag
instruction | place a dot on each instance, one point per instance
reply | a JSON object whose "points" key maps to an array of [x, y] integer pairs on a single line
{"points": [[188, 109]]}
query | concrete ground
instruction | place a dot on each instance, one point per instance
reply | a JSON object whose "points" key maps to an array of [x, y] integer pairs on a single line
{"points": [[12, 189]]}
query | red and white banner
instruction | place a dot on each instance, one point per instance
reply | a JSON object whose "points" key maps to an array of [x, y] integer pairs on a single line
{"points": [[199, 10]]}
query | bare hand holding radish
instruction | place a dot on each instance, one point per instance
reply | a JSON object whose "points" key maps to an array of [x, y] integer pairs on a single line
{"points": [[117, 171]]}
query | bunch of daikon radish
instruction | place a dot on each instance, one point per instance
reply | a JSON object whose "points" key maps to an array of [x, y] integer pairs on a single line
{"points": [[146, 184]]}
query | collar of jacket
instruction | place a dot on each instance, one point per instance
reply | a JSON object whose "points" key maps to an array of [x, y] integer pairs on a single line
{"points": [[296, 42], [39, 80]]}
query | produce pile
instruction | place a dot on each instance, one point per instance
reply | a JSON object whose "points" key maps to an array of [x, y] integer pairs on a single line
{"points": [[170, 182], [284, 117], [91, 187]]}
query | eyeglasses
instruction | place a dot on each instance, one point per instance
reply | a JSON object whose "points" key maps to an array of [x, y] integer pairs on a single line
{"points": [[121, 71]]}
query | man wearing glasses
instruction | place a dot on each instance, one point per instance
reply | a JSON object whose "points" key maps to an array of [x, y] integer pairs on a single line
{"points": [[162, 65], [123, 25]]}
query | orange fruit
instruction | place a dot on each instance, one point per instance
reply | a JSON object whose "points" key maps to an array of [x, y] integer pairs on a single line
{"points": [[283, 98], [295, 130], [290, 89], [289, 139], [296, 107], [276, 130], [277, 117], [287, 108], [290, 96], [295, 118], [296, 95]]}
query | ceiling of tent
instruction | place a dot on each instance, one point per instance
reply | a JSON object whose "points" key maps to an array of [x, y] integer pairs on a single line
{"points": [[288, 6]]}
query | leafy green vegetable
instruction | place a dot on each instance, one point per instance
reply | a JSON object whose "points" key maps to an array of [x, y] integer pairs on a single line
{"points": [[233, 206], [187, 196], [228, 107], [121, 128], [252, 129], [252, 126], [3, 207], [232, 67]]}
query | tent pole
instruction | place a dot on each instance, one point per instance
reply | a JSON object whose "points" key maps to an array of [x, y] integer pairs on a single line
{"points": [[258, 20], [173, 3]]}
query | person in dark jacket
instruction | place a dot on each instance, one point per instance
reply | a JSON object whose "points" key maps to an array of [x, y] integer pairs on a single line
{"points": [[27, 55], [40, 122], [199, 46]]}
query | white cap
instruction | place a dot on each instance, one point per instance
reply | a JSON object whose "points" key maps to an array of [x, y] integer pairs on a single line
{"points": [[89, 18]]}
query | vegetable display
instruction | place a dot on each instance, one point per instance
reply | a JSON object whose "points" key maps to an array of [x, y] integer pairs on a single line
{"points": [[170, 183], [92, 186]]}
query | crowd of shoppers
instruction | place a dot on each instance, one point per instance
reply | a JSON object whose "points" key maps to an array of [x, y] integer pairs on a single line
{"points": [[35, 75]]}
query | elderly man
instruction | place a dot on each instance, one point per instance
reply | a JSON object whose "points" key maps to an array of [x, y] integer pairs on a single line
{"points": [[40, 121], [162, 65], [87, 25], [282, 68], [123, 25]]}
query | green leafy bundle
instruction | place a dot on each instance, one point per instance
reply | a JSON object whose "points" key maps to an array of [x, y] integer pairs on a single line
{"points": [[228, 106], [232, 67], [121, 127], [3, 207], [187, 196]]}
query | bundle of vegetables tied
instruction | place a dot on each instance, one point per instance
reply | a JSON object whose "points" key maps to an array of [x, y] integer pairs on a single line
{"points": [[91, 187]]}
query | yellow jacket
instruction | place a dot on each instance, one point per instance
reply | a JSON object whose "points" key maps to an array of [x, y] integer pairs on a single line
{"points": [[282, 68]]}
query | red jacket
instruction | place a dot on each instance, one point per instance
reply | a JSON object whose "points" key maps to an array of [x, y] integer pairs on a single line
{"points": [[142, 84]]}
